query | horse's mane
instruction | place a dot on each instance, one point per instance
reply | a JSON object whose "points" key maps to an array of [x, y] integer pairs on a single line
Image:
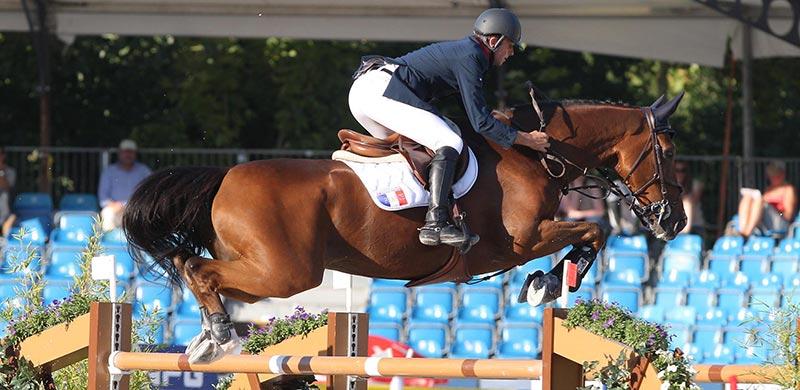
{"points": [[578, 102]]}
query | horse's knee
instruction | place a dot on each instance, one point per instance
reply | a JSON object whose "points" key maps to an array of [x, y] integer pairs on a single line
{"points": [[595, 235]]}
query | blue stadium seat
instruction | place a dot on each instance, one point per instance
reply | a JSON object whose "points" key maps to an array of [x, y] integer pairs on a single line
{"points": [[784, 265], [78, 202], [519, 341], [427, 339], [625, 277], [521, 312], [386, 330], [758, 246], [432, 306], [37, 205], [479, 306], [741, 315], [189, 307], [34, 233], [736, 281], [680, 261], [707, 337], [789, 246], [684, 315], [652, 313], [627, 244], [713, 317], [69, 238], [701, 299], [75, 220], [64, 263], [691, 243], [621, 263], [753, 266], [387, 306], [473, 341], [767, 280], [705, 279], [124, 263], [449, 286], [183, 331], [18, 255], [791, 282], [728, 245], [9, 297], [681, 332], [668, 296], [737, 338], [761, 296], [114, 238], [520, 272], [626, 297], [730, 300], [675, 278], [55, 290], [153, 296], [152, 275], [388, 283], [719, 354], [723, 265]]}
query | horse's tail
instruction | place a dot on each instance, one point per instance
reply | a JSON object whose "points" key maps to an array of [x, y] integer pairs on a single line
{"points": [[170, 214]]}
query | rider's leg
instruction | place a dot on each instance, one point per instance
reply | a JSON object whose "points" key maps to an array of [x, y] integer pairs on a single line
{"points": [[381, 116]]}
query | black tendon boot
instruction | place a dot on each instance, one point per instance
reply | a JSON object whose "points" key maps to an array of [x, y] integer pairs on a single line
{"points": [[438, 228]]}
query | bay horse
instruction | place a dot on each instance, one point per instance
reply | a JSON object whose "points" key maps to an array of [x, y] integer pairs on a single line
{"points": [[273, 226]]}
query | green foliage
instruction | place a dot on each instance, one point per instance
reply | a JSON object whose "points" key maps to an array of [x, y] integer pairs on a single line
{"points": [[284, 93], [773, 332], [646, 339], [28, 315]]}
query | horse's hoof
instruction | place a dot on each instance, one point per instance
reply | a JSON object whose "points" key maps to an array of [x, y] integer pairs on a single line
{"points": [[205, 349], [544, 288]]}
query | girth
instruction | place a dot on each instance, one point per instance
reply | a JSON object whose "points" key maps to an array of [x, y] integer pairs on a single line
{"points": [[418, 157]]}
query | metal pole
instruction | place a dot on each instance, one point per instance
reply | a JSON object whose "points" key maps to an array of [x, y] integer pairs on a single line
{"points": [[747, 104]]}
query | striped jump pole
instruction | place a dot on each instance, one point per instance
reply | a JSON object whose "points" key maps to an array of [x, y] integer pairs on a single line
{"points": [[335, 365]]}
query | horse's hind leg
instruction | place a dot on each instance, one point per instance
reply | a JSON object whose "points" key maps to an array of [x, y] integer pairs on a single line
{"points": [[588, 239]]}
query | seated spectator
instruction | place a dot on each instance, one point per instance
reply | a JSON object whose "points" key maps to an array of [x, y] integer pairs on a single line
{"points": [[622, 220], [577, 207], [692, 193], [8, 178], [117, 183], [770, 211]]}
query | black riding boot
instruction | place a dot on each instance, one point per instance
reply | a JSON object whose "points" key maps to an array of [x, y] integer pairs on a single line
{"points": [[438, 228]]}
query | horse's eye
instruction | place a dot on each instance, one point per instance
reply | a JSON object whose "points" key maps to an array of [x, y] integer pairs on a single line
{"points": [[669, 153]]}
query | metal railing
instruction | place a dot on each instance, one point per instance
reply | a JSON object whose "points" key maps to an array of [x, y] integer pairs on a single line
{"points": [[78, 169]]}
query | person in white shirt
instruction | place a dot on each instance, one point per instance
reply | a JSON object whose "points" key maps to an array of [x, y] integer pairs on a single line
{"points": [[117, 183]]}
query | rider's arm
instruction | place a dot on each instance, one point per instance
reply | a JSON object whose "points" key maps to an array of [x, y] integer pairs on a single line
{"points": [[470, 84]]}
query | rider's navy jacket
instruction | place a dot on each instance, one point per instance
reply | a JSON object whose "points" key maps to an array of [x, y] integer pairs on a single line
{"points": [[438, 69]]}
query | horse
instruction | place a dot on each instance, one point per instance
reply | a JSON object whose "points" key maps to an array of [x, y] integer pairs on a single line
{"points": [[273, 226]]}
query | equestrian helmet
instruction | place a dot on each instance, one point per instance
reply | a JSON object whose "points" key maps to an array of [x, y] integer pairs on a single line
{"points": [[499, 21]]}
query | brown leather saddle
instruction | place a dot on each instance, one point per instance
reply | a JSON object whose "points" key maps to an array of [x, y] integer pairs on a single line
{"points": [[418, 157]]}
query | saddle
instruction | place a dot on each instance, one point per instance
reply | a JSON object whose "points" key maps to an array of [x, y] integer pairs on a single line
{"points": [[417, 156]]}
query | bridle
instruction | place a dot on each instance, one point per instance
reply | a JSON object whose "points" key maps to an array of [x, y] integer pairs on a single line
{"points": [[651, 214]]}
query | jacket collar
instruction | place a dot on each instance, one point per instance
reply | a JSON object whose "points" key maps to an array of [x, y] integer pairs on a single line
{"points": [[486, 52]]}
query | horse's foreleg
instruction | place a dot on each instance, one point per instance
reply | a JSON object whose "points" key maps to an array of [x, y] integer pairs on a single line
{"points": [[587, 238]]}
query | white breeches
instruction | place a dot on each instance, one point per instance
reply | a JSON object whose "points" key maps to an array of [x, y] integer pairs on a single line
{"points": [[382, 116]]}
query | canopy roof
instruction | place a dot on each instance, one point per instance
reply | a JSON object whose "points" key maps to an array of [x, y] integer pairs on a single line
{"points": [[672, 30]]}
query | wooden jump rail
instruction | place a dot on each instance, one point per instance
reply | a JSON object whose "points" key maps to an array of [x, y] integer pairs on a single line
{"points": [[104, 336]]}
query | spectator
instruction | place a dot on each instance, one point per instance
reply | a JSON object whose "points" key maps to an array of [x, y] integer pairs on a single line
{"points": [[771, 211], [577, 207], [8, 178], [117, 183], [692, 194]]}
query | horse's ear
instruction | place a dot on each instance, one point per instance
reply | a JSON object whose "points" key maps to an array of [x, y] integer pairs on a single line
{"points": [[657, 102], [665, 110]]}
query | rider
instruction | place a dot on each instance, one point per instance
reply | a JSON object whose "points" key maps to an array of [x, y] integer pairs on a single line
{"points": [[394, 95]]}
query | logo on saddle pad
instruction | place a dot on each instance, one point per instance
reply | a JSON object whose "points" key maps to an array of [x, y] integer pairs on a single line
{"points": [[394, 198]]}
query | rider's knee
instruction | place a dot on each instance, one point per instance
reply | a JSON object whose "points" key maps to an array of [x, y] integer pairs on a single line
{"points": [[452, 140]]}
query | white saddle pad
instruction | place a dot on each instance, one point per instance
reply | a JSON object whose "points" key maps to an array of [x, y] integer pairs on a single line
{"points": [[392, 185]]}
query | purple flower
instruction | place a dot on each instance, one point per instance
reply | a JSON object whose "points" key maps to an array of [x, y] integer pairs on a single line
{"points": [[55, 301], [609, 323], [595, 315], [579, 301]]}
